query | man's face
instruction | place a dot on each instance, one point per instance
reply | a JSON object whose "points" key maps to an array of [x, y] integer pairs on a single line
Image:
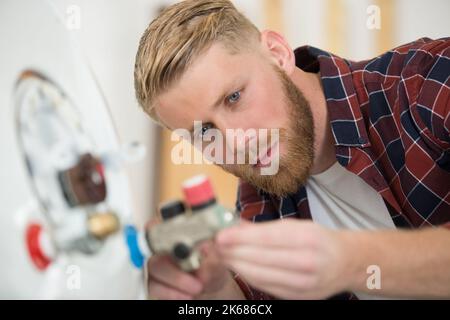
{"points": [[246, 91]]}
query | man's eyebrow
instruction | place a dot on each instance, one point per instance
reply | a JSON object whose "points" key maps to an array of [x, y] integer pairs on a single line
{"points": [[220, 99]]}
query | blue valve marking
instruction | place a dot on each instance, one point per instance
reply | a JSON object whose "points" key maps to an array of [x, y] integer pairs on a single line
{"points": [[132, 242]]}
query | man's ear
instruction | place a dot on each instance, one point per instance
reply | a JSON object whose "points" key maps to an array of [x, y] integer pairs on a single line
{"points": [[279, 50]]}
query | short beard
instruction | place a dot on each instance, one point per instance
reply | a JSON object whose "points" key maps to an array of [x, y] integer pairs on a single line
{"points": [[295, 165]]}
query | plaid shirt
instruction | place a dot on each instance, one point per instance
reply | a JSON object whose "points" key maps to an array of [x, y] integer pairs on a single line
{"points": [[390, 118]]}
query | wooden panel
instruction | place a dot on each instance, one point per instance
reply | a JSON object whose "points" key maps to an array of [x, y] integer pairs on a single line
{"points": [[385, 37], [335, 16], [273, 15]]}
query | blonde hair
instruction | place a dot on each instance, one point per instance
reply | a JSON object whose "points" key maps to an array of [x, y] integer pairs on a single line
{"points": [[180, 34]]}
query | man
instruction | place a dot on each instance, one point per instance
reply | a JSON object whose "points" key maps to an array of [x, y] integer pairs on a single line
{"points": [[363, 151]]}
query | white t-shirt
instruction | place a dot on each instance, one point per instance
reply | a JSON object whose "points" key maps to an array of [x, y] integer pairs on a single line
{"points": [[339, 199]]}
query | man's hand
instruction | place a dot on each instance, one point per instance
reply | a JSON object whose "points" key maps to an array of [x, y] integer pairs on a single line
{"points": [[289, 259], [295, 259], [211, 281]]}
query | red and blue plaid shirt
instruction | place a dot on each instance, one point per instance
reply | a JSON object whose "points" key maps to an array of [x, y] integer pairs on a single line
{"points": [[390, 118]]}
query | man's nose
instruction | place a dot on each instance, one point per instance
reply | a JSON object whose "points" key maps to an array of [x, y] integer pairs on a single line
{"points": [[237, 140]]}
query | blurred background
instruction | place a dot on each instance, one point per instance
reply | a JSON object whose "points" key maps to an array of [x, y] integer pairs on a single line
{"points": [[68, 112]]}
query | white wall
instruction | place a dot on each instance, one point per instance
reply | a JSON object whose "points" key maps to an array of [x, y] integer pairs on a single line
{"points": [[419, 18]]}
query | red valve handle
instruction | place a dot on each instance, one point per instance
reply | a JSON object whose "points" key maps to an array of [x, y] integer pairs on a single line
{"points": [[40, 260]]}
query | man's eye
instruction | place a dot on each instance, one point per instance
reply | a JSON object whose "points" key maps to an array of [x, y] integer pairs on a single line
{"points": [[234, 97], [205, 129]]}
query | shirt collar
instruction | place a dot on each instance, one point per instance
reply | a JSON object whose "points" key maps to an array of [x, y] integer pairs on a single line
{"points": [[347, 122]]}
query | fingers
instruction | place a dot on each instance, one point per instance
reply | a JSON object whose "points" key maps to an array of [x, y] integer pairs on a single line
{"points": [[266, 234], [164, 277], [159, 291], [300, 260], [283, 282], [212, 272]]}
